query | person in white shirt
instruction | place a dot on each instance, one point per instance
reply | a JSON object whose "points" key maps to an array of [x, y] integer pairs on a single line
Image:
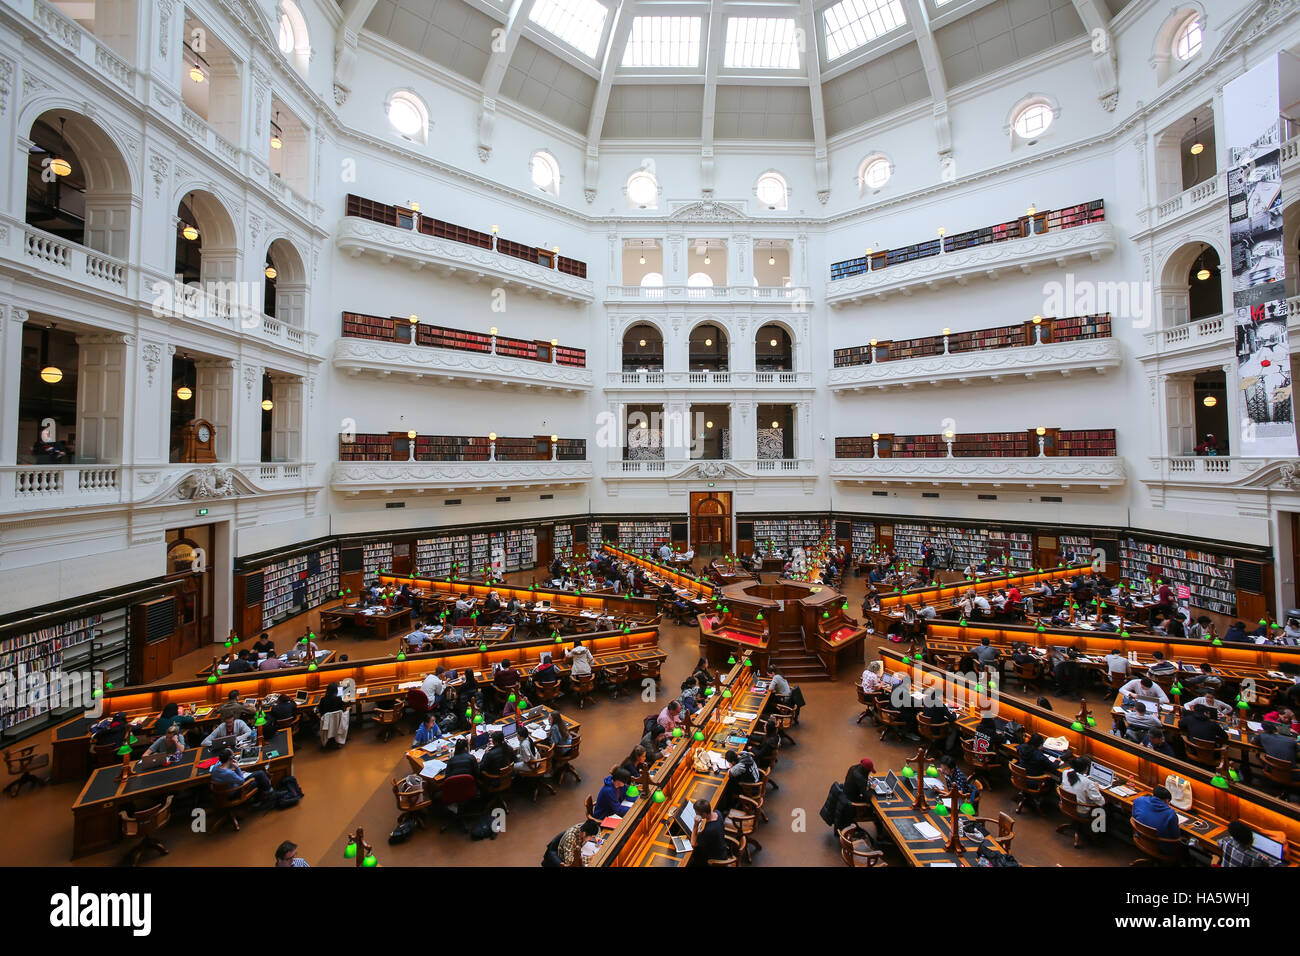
{"points": [[1140, 718], [579, 657], [1144, 688], [926, 611], [462, 607], [665, 552], [982, 604], [873, 682], [1116, 663], [1084, 789], [690, 554], [434, 687], [1209, 700]]}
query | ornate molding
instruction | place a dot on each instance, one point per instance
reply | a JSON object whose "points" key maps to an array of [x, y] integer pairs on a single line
{"points": [[151, 355], [1061, 358], [435, 366], [159, 165], [1064, 472], [709, 210], [389, 476]]}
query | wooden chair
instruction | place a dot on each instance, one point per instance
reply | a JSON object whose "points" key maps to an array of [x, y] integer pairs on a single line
{"points": [[291, 725], [649, 669], [934, 733], [616, 678], [742, 824], [1160, 851], [455, 793], [104, 755], [493, 786], [21, 763], [1028, 673], [387, 719], [330, 626], [1029, 789], [856, 849], [546, 691], [735, 851], [1280, 772], [890, 721], [584, 685], [781, 717], [562, 759], [1079, 816], [412, 803], [145, 824], [538, 771], [226, 800], [868, 702], [979, 765], [1006, 828], [1204, 753], [753, 798]]}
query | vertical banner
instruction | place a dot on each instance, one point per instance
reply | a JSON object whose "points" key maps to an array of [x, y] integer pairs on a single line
{"points": [[1252, 117]]}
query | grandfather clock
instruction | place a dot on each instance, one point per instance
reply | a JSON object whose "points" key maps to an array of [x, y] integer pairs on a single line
{"points": [[197, 442]]}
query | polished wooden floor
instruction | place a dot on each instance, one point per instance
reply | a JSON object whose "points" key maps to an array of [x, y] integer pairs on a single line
{"points": [[351, 787]]}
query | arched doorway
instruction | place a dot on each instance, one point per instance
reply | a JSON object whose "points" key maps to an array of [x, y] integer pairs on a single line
{"points": [[189, 565], [711, 523]]}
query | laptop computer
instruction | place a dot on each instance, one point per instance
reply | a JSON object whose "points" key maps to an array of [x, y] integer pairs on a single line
{"points": [[1266, 846], [220, 743], [300, 696], [510, 729], [1101, 775], [151, 761], [478, 742]]}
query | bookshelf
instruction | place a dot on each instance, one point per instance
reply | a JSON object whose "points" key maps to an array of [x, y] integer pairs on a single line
{"points": [[1068, 329], [448, 230], [393, 446], [1210, 576], [442, 556], [1046, 221], [562, 540], [379, 328], [642, 537], [786, 533], [1076, 544], [460, 340], [1088, 442], [970, 545], [521, 549], [299, 583], [78, 646], [375, 557], [1058, 442], [863, 537]]}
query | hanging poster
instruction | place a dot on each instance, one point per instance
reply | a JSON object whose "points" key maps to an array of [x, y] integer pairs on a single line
{"points": [[1252, 117]]}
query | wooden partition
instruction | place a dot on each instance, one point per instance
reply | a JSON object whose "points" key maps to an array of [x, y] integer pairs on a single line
{"points": [[948, 593], [1147, 769], [676, 578], [616, 604]]}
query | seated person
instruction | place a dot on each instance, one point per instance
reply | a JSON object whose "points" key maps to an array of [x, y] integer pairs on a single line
{"points": [[525, 751], [1237, 633], [228, 773], [170, 716], [742, 767], [270, 662], [230, 727], [987, 736], [545, 672], [240, 665], [264, 644], [1116, 664], [1144, 688], [954, 779], [284, 709], [1154, 811], [434, 686], [986, 653], [1034, 758], [609, 801], [1155, 740], [504, 677], [331, 702], [1161, 665], [1208, 699], [170, 743], [655, 741], [498, 756], [710, 839], [1199, 724], [671, 715], [857, 781], [566, 848], [1277, 742], [938, 714], [1237, 848], [462, 762], [428, 731], [1140, 718]]}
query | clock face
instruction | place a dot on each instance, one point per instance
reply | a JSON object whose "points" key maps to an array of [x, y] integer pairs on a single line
{"points": [[204, 433]]}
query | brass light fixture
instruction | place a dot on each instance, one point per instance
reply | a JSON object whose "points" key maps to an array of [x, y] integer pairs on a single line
{"points": [[276, 141], [267, 405], [58, 165], [1209, 401], [271, 272], [51, 375], [189, 231], [184, 393]]}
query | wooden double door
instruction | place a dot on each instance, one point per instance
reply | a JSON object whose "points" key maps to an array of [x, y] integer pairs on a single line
{"points": [[711, 522]]}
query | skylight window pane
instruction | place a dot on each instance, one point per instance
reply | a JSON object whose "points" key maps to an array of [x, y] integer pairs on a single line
{"points": [[663, 41], [850, 24], [579, 23], [761, 43]]}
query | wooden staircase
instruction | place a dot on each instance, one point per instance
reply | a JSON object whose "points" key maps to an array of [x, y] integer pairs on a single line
{"points": [[795, 664]]}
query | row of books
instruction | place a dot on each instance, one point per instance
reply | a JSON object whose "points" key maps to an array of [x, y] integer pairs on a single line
{"points": [[396, 446], [787, 533], [643, 537], [358, 325], [376, 556], [1066, 329], [299, 584], [1093, 443], [405, 218], [863, 537], [1209, 576], [1046, 221], [970, 545]]}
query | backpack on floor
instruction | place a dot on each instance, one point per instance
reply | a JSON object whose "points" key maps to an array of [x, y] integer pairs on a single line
{"points": [[482, 830], [402, 832], [287, 794]]}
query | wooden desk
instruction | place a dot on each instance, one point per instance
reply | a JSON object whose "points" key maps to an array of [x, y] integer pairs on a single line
{"points": [[948, 593], [95, 822], [322, 657], [441, 589], [659, 573], [417, 757], [1212, 807], [71, 739], [897, 816], [643, 838], [385, 623]]}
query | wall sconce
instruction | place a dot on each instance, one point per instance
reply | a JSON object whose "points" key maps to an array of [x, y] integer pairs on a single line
{"points": [[271, 272], [51, 375], [495, 230], [1032, 210], [414, 205], [1209, 401], [184, 393], [267, 405]]}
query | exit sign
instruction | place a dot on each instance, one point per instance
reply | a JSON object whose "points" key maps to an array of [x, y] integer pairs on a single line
{"points": [[202, 512]]}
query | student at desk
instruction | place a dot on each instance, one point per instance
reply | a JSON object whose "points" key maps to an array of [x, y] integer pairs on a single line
{"points": [[710, 840], [1140, 718], [170, 743], [1277, 742], [284, 709], [670, 716], [235, 707], [1155, 740], [264, 644], [428, 731], [1144, 688], [1199, 724], [271, 663], [171, 716], [579, 659], [331, 701], [953, 779], [1160, 665], [655, 740], [545, 672], [1154, 811], [229, 727], [434, 687], [1034, 758], [566, 848], [609, 801], [1116, 663], [558, 736], [1236, 848], [498, 756], [240, 665], [1208, 700], [228, 773], [462, 762]]}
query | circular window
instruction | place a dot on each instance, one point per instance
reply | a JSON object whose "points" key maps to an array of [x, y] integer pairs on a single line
{"points": [[1033, 120], [642, 189], [406, 115], [876, 172], [545, 172], [1188, 39], [771, 190]]}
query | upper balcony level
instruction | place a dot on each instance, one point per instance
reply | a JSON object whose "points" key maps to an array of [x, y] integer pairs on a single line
{"points": [[1082, 459], [785, 297], [404, 234], [1054, 236], [1036, 347], [385, 346]]}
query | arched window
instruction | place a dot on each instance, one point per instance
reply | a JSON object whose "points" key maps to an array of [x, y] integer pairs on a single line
{"points": [[293, 39], [653, 283], [408, 116], [874, 172], [699, 280], [545, 172], [772, 191], [642, 190], [1189, 38]]}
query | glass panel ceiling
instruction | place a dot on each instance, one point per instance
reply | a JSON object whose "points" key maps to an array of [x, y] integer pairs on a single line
{"points": [[850, 24], [579, 23], [664, 42], [761, 42]]}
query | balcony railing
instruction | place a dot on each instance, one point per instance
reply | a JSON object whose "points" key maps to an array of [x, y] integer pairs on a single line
{"points": [[722, 468], [1078, 472], [72, 261], [436, 366], [712, 293], [686, 379], [1189, 200], [83, 45], [389, 477], [1210, 471]]}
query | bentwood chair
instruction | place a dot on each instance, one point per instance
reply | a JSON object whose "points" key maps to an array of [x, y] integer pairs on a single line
{"points": [[146, 824], [413, 801], [21, 763], [1204, 753], [742, 824], [562, 758], [226, 800], [856, 849], [387, 719], [1079, 816], [538, 771], [494, 785], [1006, 828], [1158, 850], [979, 764], [1029, 789], [890, 720], [584, 685], [616, 678]]}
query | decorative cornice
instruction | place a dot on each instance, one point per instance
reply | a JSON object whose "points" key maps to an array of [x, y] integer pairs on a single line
{"points": [[1060, 358], [389, 476], [1063, 472]]}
